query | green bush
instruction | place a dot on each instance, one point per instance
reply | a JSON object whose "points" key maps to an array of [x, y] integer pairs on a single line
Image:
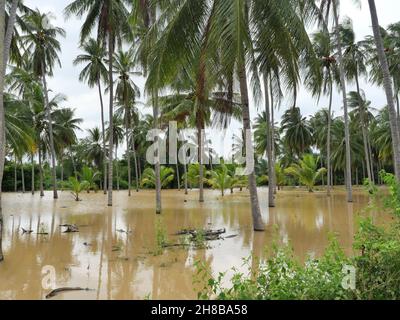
{"points": [[281, 277]]}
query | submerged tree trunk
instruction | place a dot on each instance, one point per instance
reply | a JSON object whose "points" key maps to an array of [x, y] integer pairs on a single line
{"points": [[111, 121], [394, 126], [157, 155], [271, 196], [255, 206], [346, 115], [51, 137], [103, 134]]}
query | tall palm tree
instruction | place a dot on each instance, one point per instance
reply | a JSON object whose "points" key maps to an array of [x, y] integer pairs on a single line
{"points": [[322, 82], [394, 125], [41, 42], [94, 73], [331, 8], [111, 18], [126, 93], [354, 61], [118, 133]]}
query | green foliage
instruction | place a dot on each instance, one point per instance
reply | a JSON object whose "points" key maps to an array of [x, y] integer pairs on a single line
{"points": [[77, 187], [306, 171], [90, 177], [161, 237], [282, 277], [167, 175]]}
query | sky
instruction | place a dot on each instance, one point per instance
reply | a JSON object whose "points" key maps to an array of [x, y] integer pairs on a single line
{"points": [[86, 100]]}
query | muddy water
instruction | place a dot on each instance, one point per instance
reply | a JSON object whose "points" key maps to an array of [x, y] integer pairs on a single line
{"points": [[117, 265]]}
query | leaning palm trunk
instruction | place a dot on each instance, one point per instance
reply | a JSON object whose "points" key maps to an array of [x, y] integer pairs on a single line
{"points": [[346, 114], [271, 197], [157, 155], [5, 44], [103, 134], [328, 140], [394, 126], [111, 121], [255, 206], [51, 137]]}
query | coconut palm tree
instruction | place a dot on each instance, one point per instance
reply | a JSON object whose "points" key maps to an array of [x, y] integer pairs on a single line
{"points": [[112, 20], [94, 74], [149, 177], [331, 8], [394, 125], [42, 44], [354, 61], [320, 80], [126, 93], [118, 133], [307, 171], [298, 134]]}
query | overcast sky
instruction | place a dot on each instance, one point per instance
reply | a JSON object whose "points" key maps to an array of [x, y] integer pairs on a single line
{"points": [[86, 101]]}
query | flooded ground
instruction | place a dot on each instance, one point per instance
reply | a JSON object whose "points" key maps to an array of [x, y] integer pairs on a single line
{"points": [[117, 265]]}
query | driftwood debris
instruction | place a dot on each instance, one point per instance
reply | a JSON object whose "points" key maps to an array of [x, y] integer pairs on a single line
{"points": [[26, 231], [205, 233], [70, 228], [124, 231], [61, 290]]}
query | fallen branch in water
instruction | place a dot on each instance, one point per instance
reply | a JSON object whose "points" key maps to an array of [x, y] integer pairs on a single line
{"points": [[205, 233], [61, 290], [70, 228]]}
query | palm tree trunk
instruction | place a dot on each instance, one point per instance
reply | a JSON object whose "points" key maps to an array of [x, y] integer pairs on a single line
{"points": [[328, 140], [22, 177], [15, 175], [157, 155], [346, 115], [186, 177], [111, 121], [33, 176], [10, 31], [255, 206], [128, 149], [2, 122], [273, 142], [370, 157], [117, 165], [136, 165], [271, 197], [40, 172], [201, 168], [178, 176], [364, 130], [103, 134], [394, 126], [51, 137]]}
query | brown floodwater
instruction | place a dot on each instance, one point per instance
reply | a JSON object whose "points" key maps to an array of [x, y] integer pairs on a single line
{"points": [[118, 265]]}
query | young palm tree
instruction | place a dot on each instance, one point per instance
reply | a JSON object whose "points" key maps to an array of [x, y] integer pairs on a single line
{"points": [[94, 73], [41, 42], [394, 125], [126, 94], [307, 171], [111, 18]]}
